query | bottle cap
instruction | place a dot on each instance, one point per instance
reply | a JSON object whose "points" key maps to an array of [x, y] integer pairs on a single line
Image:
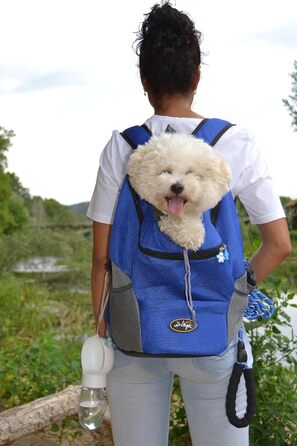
{"points": [[93, 381], [97, 361]]}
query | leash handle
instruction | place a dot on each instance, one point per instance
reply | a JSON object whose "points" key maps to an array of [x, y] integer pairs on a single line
{"points": [[232, 392], [239, 368]]}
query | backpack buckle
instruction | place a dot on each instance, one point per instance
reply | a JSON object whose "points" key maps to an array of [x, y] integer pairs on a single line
{"points": [[241, 352]]}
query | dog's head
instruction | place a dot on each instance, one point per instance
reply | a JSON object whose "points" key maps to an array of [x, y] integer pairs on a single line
{"points": [[178, 174]]}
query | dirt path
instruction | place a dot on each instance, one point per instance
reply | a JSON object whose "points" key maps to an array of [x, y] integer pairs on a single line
{"points": [[67, 433]]}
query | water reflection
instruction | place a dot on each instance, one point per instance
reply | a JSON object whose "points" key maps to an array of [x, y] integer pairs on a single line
{"points": [[40, 265]]}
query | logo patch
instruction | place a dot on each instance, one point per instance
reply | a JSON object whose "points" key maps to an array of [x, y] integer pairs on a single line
{"points": [[182, 325]]}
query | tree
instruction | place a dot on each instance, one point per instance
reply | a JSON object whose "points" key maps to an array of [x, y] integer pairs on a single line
{"points": [[58, 214], [13, 213], [5, 143], [291, 102], [22, 192]]}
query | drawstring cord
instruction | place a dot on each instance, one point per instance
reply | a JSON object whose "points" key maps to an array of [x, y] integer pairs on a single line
{"points": [[188, 290]]}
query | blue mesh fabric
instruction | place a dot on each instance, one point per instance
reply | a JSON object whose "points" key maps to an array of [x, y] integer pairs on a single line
{"points": [[159, 284], [209, 338], [124, 233], [228, 227], [151, 237]]}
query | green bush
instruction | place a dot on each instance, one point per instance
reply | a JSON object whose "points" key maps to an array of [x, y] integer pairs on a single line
{"points": [[275, 373], [41, 334], [179, 429], [38, 367]]}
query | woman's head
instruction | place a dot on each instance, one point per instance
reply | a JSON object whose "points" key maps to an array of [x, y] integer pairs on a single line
{"points": [[169, 51]]}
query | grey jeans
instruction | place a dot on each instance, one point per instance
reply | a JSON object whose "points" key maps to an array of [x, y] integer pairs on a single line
{"points": [[139, 393]]}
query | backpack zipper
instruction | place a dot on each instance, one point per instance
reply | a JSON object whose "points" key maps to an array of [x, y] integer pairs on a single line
{"points": [[196, 255]]}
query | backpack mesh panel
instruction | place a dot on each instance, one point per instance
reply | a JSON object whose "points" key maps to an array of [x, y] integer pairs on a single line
{"points": [[125, 319], [238, 303]]}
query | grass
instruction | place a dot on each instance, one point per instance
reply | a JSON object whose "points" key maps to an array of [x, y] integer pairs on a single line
{"points": [[41, 334]]}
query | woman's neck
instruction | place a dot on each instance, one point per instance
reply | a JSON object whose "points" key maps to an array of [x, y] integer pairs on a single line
{"points": [[176, 106]]}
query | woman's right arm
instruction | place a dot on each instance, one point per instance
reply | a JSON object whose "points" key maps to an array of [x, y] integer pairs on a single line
{"points": [[112, 168], [100, 263], [275, 247]]}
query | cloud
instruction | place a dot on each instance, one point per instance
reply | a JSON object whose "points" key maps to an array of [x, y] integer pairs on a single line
{"points": [[50, 80], [285, 35]]}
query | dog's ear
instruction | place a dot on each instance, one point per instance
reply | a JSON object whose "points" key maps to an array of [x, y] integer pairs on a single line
{"points": [[217, 179], [134, 163], [216, 169], [224, 170], [141, 154]]}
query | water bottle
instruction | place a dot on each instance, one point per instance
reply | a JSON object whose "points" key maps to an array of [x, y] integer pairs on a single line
{"points": [[97, 357], [92, 406]]}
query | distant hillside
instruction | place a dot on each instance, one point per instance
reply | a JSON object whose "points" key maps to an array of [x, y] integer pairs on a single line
{"points": [[79, 208]]}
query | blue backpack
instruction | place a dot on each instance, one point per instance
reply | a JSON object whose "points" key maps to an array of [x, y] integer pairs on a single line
{"points": [[166, 301]]}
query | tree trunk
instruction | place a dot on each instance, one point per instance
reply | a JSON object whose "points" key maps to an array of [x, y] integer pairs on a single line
{"points": [[22, 420]]}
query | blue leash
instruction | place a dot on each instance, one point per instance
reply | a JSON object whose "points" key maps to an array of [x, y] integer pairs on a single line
{"points": [[259, 306]]}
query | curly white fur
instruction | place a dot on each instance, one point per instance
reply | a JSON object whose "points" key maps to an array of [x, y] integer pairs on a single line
{"points": [[182, 176]]}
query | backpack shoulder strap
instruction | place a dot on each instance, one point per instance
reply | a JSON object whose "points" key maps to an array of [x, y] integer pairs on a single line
{"points": [[137, 135], [211, 130]]}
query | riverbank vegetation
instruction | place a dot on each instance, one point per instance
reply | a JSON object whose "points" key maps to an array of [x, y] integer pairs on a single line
{"points": [[46, 315]]}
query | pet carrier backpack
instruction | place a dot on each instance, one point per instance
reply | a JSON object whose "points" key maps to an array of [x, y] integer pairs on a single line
{"points": [[149, 308], [166, 301]]}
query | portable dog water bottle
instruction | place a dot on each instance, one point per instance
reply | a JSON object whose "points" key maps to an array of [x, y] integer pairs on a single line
{"points": [[97, 357]]}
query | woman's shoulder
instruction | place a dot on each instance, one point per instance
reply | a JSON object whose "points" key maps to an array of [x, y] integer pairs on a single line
{"points": [[240, 132], [116, 148], [238, 142]]}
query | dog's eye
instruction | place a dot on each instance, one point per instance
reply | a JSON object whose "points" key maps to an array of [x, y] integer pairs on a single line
{"points": [[166, 171], [197, 175]]}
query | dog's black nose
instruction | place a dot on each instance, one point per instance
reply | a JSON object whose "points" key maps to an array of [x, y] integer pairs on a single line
{"points": [[177, 188]]}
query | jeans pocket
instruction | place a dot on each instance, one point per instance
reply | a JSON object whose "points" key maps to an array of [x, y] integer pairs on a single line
{"points": [[217, 366]]}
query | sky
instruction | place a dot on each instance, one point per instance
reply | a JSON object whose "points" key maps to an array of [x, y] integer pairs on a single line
{"points": [[69, 77]]}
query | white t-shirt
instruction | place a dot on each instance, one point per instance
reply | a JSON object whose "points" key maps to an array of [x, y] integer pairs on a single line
{"points": [[251, 180]]}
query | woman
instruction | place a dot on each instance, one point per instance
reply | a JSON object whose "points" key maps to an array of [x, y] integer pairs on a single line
{"points": [[139, 389]]}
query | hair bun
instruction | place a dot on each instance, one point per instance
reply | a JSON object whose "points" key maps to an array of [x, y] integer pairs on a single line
{"points": [[165, 22], [168, 49]]}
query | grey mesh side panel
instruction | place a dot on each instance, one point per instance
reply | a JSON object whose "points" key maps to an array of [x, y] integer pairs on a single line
{"points": [[238, 303], [119, 279], [125, 319]]}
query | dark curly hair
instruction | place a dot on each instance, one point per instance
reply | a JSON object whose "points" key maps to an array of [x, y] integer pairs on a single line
{"points": [[169, 50]]}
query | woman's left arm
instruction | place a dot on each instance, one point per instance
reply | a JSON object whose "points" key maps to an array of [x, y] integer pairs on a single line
{"points": [[275, 247]]}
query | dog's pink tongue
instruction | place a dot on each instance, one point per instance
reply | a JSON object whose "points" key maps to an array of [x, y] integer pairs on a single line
{"points": [[176, 205]]}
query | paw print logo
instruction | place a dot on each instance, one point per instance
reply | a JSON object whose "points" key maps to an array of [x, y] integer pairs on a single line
{"points": [[223, 255]]}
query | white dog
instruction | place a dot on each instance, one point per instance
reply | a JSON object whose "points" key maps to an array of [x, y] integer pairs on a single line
{"points": [[182, 176]]}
